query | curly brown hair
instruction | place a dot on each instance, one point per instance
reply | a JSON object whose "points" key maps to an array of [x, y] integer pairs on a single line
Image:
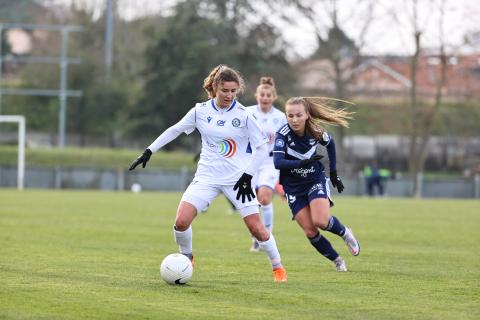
{"points": [[219, 74]]}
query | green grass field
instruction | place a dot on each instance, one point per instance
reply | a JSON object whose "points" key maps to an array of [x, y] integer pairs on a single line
{"points": [[96, 255]]}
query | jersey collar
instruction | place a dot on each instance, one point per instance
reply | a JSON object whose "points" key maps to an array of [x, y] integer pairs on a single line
{"points": [[259, 109], [214, 105]]}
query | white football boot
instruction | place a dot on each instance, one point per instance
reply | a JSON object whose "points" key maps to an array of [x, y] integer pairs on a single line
{"points": [[352, 243], [340, 264]]}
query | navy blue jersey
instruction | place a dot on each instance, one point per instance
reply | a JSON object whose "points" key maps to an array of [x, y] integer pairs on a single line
{"points": [[288, 152]]}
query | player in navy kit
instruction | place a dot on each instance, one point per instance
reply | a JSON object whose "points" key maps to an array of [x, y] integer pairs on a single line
{"points": [[228, 133], [303, 175]]}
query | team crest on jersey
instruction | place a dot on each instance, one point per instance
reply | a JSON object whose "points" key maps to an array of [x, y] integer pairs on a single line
{"points": [[227, 148], [236, 122], [279, 143]]}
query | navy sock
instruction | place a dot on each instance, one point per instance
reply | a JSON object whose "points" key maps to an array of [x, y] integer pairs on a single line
{"points": [[323, 246], [335, 226]]}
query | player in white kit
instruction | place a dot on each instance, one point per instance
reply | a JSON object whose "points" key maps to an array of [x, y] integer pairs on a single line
{"points": [[270, 120], [227, 164]]}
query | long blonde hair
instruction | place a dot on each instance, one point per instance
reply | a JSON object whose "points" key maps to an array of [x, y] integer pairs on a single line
{"points": [[321, 111], [220, 74]]}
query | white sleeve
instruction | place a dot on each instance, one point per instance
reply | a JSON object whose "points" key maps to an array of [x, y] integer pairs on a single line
{"points": [[258, 156], [187, 125], [255, 134]]}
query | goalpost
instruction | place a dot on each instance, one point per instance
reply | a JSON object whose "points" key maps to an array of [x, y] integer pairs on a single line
{"points": [[21, 147]]}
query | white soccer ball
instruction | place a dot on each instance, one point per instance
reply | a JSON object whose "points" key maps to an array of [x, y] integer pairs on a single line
{"points": [[176, 269]]}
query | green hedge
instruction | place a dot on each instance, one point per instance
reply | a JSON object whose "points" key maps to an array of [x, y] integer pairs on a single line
{"points": [[94, 157]]}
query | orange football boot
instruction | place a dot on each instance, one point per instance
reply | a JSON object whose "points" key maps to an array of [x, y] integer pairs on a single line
{"points": [[280, 275]]}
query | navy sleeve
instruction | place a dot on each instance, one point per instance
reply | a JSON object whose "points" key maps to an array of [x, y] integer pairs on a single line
{"points": [[279, 151], [332, 155]]}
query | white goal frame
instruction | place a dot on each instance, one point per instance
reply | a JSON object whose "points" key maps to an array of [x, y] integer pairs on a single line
{"points": [[21, 147]]}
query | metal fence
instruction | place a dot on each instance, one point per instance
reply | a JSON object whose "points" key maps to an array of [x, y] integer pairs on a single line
{"points": [[178, 180]]}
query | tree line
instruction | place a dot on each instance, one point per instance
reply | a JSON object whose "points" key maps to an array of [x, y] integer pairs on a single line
{"points": [[160, 62]]}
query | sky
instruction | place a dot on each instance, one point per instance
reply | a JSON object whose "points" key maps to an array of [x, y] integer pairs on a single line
{"points": [[390, 31]]}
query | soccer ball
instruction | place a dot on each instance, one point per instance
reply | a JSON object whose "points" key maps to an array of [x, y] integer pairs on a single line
{"points": [[176, 269]]}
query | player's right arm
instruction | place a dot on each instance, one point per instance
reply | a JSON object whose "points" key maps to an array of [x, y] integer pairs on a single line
{"points": [[186, 124]]}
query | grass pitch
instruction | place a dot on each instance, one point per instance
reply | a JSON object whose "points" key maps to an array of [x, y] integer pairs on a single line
{"points": [[96, 255]]}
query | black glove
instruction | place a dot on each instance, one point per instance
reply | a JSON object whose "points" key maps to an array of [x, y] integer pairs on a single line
{"points": [[143, 159], [244, 186], [313, 159], [336, 182]]}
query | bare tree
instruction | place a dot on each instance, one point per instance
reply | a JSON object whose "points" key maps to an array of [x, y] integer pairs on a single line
{"points": [[342, 51], [424, 111]]}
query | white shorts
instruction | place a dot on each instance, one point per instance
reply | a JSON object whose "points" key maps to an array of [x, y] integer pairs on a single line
{"points": [[266, 176], [201, 194]]}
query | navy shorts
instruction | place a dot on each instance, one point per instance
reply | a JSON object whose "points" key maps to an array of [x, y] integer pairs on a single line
{"points": [[297, 202]]}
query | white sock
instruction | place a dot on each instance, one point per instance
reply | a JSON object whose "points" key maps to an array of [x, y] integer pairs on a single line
{"points": [[184, 240], [267, 215], [270, 248]]}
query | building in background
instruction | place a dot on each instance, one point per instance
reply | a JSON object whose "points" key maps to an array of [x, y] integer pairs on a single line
{"points": [[390, 76]]}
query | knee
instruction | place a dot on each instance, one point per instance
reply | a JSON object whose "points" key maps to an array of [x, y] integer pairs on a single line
{"points": [[264, 196], [321, 223], [181, 223], [260, 232], [310, 233], [264, 200]]}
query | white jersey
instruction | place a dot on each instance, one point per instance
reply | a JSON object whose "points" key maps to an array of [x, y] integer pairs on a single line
{"points": [[228, 137], [270, 123]]}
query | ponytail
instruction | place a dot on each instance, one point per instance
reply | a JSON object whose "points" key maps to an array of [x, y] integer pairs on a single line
{"points": [[220, 74]]}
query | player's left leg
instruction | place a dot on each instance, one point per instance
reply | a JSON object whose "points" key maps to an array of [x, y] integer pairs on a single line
{"points": [[267, 243], [249, 212], [264, 195]]}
